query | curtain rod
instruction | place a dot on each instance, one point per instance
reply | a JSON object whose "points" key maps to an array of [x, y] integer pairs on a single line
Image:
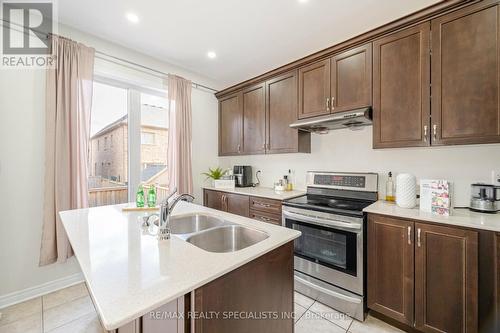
{"points": [[104, 56], [107, 57]]}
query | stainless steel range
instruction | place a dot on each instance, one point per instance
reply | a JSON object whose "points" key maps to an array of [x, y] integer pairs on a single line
{"points": [[330, 253]]}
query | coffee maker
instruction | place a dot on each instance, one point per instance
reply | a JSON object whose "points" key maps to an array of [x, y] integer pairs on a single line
{"points": [[243, 175]]}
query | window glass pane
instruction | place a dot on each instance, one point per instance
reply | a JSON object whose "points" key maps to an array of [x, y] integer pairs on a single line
{"points": [[108, 155], [154, 142]]}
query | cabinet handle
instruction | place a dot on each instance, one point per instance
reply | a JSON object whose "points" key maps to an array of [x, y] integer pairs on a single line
{"points": [[328, 104], [333, 100], [425, 133], [434, 131], [239, 148], [262, 204], [409, 235], [418, 237]]}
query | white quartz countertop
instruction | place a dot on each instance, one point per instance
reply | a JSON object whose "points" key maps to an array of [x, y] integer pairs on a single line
{"points": [[129, 273], [461, 217], [263, 192]]}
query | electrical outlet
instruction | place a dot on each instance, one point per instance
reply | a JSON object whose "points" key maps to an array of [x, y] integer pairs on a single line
{"points": [[495, 177]]}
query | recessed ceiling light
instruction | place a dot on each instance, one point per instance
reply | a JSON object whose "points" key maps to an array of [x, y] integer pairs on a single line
{"points": [[303, 1], [211, 54], [132, 17]]}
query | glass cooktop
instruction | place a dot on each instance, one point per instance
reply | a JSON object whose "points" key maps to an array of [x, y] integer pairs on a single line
{"points": [[329, 204]]}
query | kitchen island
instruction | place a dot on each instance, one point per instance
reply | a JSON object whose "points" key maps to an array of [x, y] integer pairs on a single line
{"points": [[129, 273]]}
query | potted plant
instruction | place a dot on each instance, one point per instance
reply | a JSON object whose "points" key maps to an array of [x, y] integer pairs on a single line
{"points": [[216, 175]]}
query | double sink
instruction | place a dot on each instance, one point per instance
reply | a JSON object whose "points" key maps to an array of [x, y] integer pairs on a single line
{"points": [[214, 234]]}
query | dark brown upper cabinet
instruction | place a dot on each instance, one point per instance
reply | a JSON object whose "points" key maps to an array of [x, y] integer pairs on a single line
{"points": [[465, 76], [231, 124], [401, 89], [254, 119], [351, 79], [281, 102], [446, 279], [314, 89]]}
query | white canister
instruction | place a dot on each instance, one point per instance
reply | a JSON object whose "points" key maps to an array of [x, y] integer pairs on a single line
{"points": [[406, 190]]}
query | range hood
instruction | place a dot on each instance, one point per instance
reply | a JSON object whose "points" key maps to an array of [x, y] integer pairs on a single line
{"points": [[354, 119]]}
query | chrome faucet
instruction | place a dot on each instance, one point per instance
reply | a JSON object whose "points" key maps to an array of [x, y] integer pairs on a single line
{"points": [[166, 209]]}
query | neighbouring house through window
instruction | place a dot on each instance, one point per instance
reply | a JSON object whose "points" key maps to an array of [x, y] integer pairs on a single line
{"points": [[110, 180]]}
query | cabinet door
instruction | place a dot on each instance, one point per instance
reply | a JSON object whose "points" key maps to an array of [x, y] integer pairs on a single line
{"points": [[446, 274], [213, 199], [230, 125], [282, 111], [259, 289], [351, 79], [254, 119], [401, 89], [237, 204], [314, 89], [391, 267], [465, 76]]}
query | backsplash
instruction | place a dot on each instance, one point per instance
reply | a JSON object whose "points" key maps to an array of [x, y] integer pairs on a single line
{"points": [[346, 150]]}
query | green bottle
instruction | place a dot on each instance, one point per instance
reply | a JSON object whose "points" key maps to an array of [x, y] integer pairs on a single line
{"points": [[139, 197], [152, 196]]}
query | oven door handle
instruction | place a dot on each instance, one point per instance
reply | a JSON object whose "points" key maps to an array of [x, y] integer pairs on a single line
{"points": [[321, 221], [327, 291]]}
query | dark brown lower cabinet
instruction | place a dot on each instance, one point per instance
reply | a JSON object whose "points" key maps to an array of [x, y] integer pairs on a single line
{"points": [[390, 267], [227, 202], [423, 275], [237, 204], [237, 293], [446, 275]]}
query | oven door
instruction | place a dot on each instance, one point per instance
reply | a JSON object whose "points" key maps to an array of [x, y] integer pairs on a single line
{"points": [[330, 247]]}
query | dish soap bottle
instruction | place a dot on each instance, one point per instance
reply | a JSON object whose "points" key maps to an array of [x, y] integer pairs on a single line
{"points": [[139, 197], [389, 189], [152, 196]]}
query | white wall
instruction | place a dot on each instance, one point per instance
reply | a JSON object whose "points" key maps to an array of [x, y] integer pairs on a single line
{"points": [[345, 150], [22, 98]]}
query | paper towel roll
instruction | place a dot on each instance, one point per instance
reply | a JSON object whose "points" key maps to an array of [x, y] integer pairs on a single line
{"points": [[406, 190]]}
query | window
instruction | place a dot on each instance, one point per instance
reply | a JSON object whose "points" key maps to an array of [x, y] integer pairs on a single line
{"points": [[147, 138], [129, 137], [109, 115], [154, 141]]}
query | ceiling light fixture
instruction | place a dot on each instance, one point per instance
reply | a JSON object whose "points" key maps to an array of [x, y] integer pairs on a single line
{"points": [[303, 1], [132, 17], [211, 54]]}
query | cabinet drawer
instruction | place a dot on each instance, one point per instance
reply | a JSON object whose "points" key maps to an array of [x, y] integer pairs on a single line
{"points": [[265, 205], [265, 217]]}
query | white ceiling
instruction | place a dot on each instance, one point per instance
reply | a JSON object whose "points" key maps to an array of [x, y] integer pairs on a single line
{"points": [[250, 37]]}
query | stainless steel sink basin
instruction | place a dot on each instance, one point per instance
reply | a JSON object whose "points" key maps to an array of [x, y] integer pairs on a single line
{"points": [[228, 238], [193, 223]]}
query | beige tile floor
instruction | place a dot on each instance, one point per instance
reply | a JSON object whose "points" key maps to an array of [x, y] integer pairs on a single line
{"points": [[71, 310]]}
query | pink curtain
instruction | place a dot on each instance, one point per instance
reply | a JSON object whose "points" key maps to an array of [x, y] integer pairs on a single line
{"points": [[179, 135], [67, 129]]}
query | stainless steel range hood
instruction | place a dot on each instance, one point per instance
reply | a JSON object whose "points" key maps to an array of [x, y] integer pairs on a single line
{"points": [[354, 119]]}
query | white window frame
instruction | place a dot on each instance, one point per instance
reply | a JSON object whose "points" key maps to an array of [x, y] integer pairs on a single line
{"points": [[134, 124]]}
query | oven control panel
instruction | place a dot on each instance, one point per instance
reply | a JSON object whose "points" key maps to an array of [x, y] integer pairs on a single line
{"points": [[340, 180], [345, 181]]}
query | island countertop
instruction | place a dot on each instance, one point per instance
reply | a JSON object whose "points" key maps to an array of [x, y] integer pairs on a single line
{"points": [[129, 273]]}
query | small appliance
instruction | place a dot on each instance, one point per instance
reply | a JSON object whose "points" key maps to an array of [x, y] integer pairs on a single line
{"points": [[485, 198], [243, 175], [330, 255]]}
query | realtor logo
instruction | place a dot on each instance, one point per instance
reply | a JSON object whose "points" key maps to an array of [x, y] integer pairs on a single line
{"points": [[26, 31]]}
